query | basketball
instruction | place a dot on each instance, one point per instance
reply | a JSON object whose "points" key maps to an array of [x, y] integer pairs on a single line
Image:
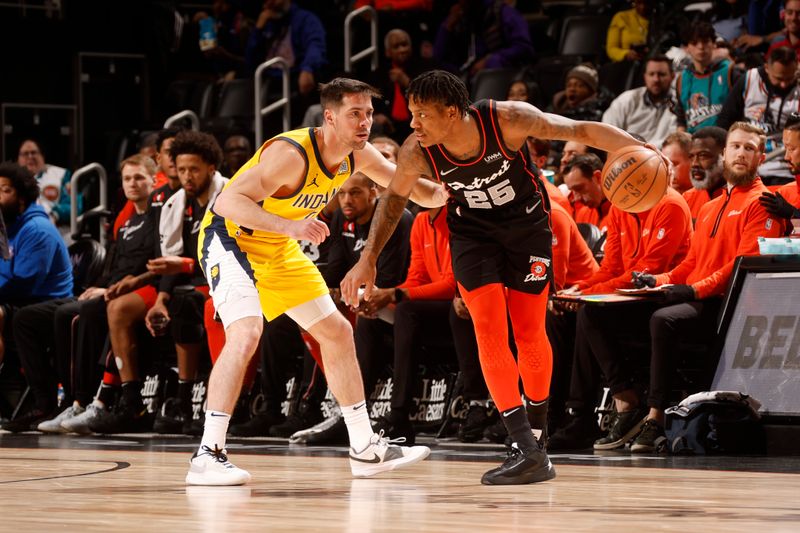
{"points": [[635, 178]]}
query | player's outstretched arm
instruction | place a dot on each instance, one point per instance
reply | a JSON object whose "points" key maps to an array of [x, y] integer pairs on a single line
{"points": [[519, 120], [281, 167], [411, 165], [426, 193]]}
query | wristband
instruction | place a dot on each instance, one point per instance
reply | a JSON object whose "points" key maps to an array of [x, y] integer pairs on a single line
{"points": [[187, 265], [399, 296]]}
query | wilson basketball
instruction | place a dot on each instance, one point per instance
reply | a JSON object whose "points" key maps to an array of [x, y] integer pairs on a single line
{"points": [[635, 178]]}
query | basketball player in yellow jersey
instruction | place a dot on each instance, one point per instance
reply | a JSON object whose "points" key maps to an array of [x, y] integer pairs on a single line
{"points": [[249, 252]]}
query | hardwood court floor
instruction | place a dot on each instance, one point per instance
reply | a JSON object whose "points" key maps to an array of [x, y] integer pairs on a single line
{"points": [[71, 488]]}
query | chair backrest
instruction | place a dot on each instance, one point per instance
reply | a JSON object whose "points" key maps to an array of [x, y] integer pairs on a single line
{"points": [[492, 83], [584, 35], [235, 99], [594, 238], [87, 257], [549, 74]]}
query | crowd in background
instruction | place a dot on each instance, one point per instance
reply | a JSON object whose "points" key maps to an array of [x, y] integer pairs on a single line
{"points": [[716, 91]]}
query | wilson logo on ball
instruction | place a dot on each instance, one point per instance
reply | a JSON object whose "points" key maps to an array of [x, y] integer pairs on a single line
{"points": [[616, 171]]}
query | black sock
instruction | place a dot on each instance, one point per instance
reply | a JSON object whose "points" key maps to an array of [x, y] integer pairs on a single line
{"points": [[516, 421], [185, 387], [132, 393], [107, 394], [537, 412]]}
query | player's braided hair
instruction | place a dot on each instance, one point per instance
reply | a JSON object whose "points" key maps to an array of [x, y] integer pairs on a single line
{"points": [[196, 143], [439, 86]]}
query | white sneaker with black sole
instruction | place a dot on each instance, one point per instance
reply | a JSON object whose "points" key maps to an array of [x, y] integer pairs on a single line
{"points": [[211, 467], [54, 425], [383, 455]]}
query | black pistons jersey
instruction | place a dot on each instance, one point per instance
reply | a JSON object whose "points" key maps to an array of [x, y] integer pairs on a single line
{"points": [[498, 212], [497, 178]]}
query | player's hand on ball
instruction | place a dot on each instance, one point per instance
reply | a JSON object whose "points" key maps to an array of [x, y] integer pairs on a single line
{"points": [[641, 280], [311, 230], [664, 158], [361, 275]]}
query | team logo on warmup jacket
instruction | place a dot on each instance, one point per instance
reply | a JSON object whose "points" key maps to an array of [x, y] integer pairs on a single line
{"points": [[539, 266]]}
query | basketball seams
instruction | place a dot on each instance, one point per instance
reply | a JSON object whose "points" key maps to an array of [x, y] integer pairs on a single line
{"points": [[630, 174], [652, 183]]}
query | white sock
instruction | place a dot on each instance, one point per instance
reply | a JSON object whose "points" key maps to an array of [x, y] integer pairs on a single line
{"points": [[358, 426], [214, 430]]}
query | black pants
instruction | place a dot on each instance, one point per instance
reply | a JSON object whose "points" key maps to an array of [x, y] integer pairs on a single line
{"points": [[186, 315], [561, 334], [281, 345], [51, 331], [601, 330], [417, 323], [468, 361]]}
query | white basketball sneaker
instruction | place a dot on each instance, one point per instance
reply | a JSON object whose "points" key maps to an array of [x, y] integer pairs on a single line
{"points": [[54, 425], [211, 467], [383, 455]]}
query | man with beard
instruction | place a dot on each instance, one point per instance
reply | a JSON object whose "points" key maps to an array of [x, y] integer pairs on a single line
{"points": [[705, 157], [647, 111], [38, 267], [728, 227], [765, 97], [195, 156], [785, 202]]}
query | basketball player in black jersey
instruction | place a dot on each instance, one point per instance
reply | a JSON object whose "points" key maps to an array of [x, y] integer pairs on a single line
{"points": [[498, 215]]}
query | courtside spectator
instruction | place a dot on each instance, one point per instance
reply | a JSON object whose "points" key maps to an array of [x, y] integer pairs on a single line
{"points": [[626, 39], [765, 97], [702, 88], [235, 153], [38, 267], [582, 98], [647, 111], [394, 73], [54, 183], [502, 39], [790, 38]]}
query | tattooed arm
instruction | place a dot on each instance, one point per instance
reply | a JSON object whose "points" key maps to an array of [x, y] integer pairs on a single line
{"points": [[411, 166], [519, 120]]}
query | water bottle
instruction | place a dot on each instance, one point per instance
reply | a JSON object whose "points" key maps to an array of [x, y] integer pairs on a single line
{"points": [[208, 34], [60, 395]]}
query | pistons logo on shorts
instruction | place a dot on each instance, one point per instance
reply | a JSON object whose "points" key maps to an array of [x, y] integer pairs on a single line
{"points": [[539, 266]]}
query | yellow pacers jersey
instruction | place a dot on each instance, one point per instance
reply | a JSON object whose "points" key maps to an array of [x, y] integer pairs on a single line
{"points": [[319, 187], [282, 274]]}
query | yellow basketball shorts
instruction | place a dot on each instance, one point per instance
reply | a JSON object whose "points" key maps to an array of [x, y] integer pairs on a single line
{"points": [[249, 277]]}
